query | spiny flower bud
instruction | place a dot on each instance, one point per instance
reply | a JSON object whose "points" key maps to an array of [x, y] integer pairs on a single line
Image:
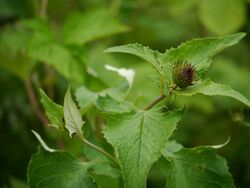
{"points": [[183, 74]]}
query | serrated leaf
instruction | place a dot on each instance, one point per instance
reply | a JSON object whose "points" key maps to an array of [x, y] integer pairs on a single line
{"points": [[219, 16], [137, 137], [72, 116], [81, 28], [199, 52], [53, 111], [138, 50], [195, 167], [208, 87], [58, 169]]}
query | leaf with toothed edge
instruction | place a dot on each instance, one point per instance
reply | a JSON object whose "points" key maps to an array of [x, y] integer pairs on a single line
{"points": [[194, 167], [137, 136], [198, 52], [208, 87], [138, 50]]}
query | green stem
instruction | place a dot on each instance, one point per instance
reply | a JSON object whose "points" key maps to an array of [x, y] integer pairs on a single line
{"points": [[100, 150], [154, 102]]}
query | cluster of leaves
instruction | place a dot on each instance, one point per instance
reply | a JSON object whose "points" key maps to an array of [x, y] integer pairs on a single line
{"points": [[140, 137], [34, 40], [62, 41]]}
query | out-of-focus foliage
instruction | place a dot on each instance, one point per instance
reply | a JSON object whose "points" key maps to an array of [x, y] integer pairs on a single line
{"points": [[66, 47]]}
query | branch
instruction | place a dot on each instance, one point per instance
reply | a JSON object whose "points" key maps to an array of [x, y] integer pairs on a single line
{"points": [[33, 102]]}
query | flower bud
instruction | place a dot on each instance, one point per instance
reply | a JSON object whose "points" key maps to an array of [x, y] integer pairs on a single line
{"points": [[183, 74]]}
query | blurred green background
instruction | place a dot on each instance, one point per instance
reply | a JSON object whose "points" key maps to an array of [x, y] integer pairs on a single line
{"points": [[159, 24]]}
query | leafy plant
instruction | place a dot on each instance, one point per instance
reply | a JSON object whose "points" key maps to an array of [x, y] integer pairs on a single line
{"points": [[140, 138]]}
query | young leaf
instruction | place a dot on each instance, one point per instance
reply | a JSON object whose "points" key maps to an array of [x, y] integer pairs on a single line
{"points": [[82, 28], [208, 87], [196, 167], [137, 137], [198, 52], [138, 50], [53, 111], [58, 169], [72, 116]]}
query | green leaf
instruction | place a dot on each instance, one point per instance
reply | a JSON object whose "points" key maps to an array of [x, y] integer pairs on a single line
{"points": [[137, 137], [53, 111], [81, 28], [109, 105], [208, 87], [199, 52], [12, 52], [58, 169], [224, 16], [72, 116], [138, 50], [61, 59], [102, 167], [196, 167], [85, 97], [40, 32]]}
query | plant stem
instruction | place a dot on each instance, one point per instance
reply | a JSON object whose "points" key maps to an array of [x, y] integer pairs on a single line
{"points": [[33, 102], [43, 8], [100, 150], [156, 101]]}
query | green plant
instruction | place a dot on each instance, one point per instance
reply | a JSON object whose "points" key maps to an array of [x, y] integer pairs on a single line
{"points": [[140, 138]]}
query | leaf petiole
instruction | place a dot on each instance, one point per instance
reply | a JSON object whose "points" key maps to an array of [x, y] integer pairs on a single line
{"points": [[156, 101], [100, 150]]}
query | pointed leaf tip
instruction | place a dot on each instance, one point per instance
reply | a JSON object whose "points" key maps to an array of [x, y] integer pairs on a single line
{"points": [[72, 116]]}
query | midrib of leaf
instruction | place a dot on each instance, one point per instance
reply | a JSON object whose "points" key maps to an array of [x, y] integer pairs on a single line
{"points": [[140, 140], [139, 148]]}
